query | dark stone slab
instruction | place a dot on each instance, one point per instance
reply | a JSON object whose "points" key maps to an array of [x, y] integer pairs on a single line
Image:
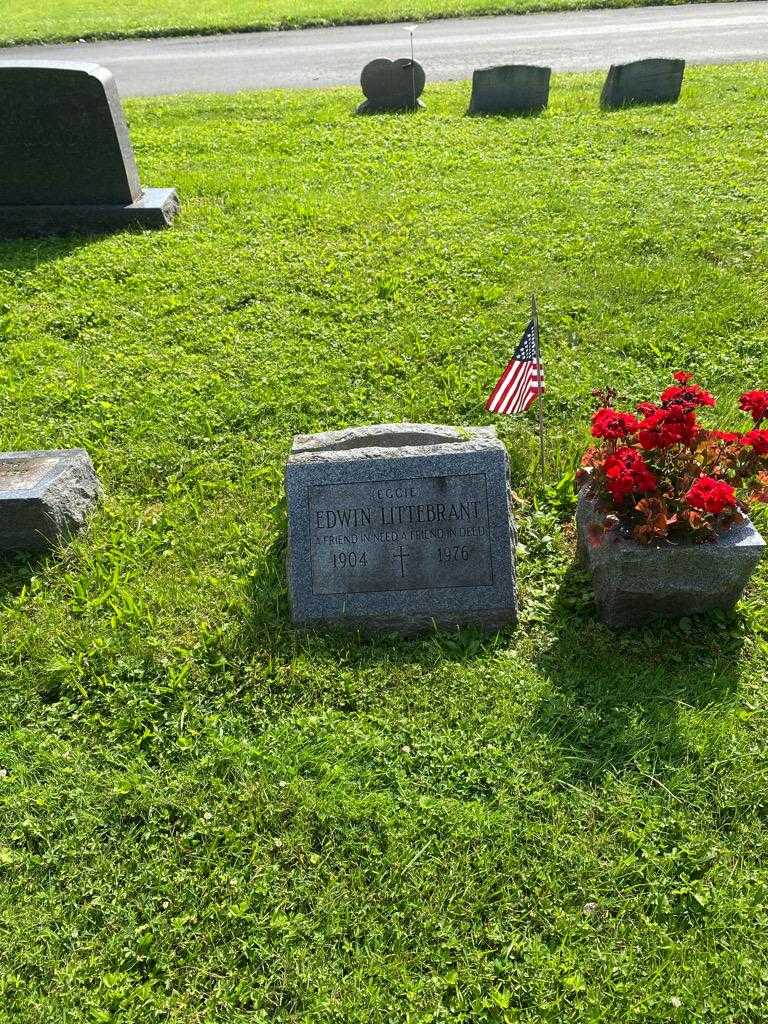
{"points": [[45, 497], [66, 155], [510, 89], [635, 583], [63, 137], [399, 528], [656, 80], [391, 86]]}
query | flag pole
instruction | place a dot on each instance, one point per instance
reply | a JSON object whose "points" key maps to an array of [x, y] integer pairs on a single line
{"points": [[540, 398], [413, 70]]}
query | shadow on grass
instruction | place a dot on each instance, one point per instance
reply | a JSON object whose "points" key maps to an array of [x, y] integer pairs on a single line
{"points": [[26, 254], [615, 698], [16, 572]]}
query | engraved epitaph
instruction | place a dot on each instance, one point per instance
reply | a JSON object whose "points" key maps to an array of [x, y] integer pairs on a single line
{"points": [[413, 534], [400, 526], [66, 160]]}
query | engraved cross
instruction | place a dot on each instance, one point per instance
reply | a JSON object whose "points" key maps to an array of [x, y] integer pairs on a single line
{"points": [[402, 555]]}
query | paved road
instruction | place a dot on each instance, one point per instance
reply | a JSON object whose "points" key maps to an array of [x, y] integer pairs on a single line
{"points": [[449, 50]]}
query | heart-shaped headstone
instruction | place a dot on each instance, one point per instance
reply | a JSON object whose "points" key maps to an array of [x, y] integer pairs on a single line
{"points": [[392, 84]]}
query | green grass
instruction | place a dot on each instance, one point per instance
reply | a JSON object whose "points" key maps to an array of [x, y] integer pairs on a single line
{"points": [[30, 21], [206, 816]]}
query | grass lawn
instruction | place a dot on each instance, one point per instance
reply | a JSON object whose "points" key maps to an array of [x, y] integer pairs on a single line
{"points": [[61, 20], [206, 816]]}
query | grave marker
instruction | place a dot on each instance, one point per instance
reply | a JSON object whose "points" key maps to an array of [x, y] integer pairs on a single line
{"points": [[656, 80], [66, 160], [391, 85], [399, 527], [45, 497], [510, 89]]}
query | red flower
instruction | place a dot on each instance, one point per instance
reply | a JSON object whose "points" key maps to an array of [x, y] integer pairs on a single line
{"points": [[688, 395], [758, 440], [710, 495], [612, 425], [682, 377], [727, 435], [627, 472], [647, 408], [756, 403], [665, 427]]}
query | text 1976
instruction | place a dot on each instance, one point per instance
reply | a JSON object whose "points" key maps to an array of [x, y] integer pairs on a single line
{"points": [[458, 553]]}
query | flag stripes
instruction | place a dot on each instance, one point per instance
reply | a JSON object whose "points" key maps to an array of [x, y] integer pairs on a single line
{"points": [[522, 381]]}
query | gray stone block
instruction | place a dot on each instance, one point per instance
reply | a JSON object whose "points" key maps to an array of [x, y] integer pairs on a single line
{"points": [[635, 583], [66, 156], [400, 527], [655, 80], [45, 497], [510, 89], [391, 86]]}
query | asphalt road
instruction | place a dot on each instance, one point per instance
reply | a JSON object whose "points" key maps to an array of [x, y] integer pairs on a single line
{"points": [[449, 50]]}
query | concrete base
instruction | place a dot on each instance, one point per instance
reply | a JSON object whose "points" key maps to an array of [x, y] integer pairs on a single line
{"points": [[637, 583], [156, 208]]}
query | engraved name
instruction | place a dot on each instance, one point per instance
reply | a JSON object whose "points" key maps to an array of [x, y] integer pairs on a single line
{"points": [[397, 515]]}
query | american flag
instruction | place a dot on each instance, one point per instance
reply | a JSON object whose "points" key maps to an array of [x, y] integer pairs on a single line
{"points": [[523, 379]]}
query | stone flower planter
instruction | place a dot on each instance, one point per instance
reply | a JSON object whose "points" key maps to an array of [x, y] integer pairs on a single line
{"points": [[635, 583]]}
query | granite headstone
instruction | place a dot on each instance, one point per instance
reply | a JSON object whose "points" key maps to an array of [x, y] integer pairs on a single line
{"points": [[66, 160], [45, 497], [400, 527], [655, 80], [510, 89], [391, 86]]}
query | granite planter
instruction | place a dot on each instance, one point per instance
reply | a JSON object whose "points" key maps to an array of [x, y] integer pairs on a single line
{"points": [[635, 583]]}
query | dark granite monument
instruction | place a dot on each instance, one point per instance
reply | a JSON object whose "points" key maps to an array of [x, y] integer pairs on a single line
{"points": [[66, 161], [391, 86], [510, 89], [400, 527], [656, 80], [45, 497]]}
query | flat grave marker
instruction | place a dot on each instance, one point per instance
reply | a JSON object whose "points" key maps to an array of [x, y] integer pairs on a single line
{"points": [[45, 497], [655, 80], [510, 89], [66, 155], [399, 527]]}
